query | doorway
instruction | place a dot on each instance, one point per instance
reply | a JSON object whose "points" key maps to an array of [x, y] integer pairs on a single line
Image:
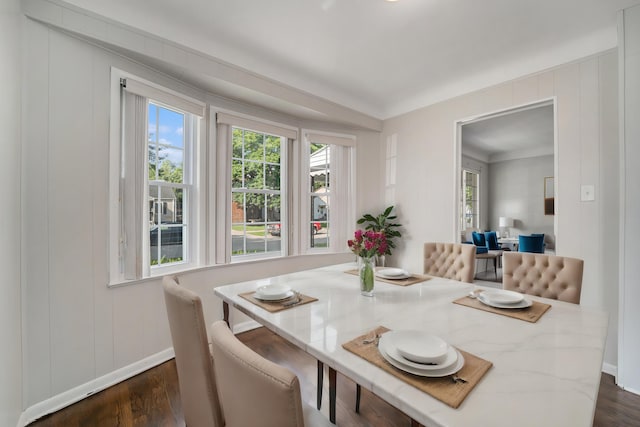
{"points": [[514, 154]]}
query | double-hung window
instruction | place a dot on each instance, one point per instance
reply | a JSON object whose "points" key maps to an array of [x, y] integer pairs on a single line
{"points": [[158, 195], [469, 205], [256, 154], [328, 197]]}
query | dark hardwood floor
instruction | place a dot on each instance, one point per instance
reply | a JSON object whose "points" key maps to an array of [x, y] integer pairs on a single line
{"points": [[152, 398]]}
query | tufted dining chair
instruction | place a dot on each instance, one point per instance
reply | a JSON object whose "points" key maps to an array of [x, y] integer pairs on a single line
{"points": [[196, 381], [547, 276], [255, 391], [450, 260]]}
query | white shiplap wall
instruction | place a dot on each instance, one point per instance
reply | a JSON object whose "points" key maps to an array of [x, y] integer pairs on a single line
{"points": [[75, 328], [586, 101], [10, 219], [630, 290]]}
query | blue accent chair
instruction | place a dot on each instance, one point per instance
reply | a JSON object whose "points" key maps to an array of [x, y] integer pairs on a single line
{"points": [[478, 239], [533, 243], [479, 249], [492, 241]]}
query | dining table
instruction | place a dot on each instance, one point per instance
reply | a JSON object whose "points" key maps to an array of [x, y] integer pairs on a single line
{"points": [[539, 371]]}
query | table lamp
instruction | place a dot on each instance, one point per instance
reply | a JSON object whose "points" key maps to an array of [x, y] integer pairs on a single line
{"points": [[505, 222]]}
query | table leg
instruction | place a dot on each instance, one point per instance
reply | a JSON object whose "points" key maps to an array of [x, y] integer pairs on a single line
{"points": [[495, 266], [332, 395], [319, 386], [225, 312]]}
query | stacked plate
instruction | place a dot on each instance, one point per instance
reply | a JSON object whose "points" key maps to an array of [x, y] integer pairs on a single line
{"points": [[420, 353], [500, 298], [392, 273], [273, 293]]}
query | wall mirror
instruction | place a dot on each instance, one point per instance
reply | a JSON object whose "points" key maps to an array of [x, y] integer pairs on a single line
{"points": [[549, 195]]}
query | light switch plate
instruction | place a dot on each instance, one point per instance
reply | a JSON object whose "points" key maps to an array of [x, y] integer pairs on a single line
{"points": [[588, 193]]}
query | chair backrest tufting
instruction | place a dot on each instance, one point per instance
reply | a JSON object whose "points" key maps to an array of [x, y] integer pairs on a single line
{"points": [[450, 260], [198, 389], [547, 276]]}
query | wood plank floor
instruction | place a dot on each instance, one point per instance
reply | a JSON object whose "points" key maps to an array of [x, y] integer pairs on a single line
{"points": [[152, 398]]}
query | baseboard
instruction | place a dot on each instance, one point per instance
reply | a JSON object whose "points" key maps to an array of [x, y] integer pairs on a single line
{"points": [[82, 391], [610, 369]]}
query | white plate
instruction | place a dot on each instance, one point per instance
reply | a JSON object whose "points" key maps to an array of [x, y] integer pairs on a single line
{"points": [[419, 346], [500, 296], [390, 349], [285, 296], [394, 274], [272, 292], [404, 366], [392, 271], [522, 304]]}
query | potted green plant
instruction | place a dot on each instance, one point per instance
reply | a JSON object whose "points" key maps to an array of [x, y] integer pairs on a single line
{"points": [[383, 223]]}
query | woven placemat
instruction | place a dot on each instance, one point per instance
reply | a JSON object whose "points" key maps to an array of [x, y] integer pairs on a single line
{"points": [[442, 388], [411, 280], [276, 306], [530, 314]]}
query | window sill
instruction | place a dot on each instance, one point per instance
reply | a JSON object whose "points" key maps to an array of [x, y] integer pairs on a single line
{"points": [[235, 264]]}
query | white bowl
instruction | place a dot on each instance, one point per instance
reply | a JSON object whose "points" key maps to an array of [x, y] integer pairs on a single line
{"points": [[273, 291], [420, 346], [392, 271], [500, 296]]}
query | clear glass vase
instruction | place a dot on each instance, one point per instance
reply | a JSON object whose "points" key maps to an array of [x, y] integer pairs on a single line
{"points": [[366, 273]]}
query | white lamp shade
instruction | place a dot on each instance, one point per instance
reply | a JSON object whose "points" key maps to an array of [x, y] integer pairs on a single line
{"points": [[505, 221]]}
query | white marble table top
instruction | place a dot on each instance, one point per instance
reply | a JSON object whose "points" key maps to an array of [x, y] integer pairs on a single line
{"points": [[544, 374]]}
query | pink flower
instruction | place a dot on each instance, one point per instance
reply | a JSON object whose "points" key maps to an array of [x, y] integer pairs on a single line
{"points": [[368, 243]]}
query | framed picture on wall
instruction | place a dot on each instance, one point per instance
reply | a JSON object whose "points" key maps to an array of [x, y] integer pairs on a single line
{"points": [[549, 195]]}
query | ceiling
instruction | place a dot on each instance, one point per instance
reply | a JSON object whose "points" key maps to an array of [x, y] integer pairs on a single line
{"points": [[526, 132], [377, 57]]}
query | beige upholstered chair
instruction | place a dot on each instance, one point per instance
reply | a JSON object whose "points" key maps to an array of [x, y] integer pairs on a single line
{"points": [[543, 275], [450, 260], [196, 380], [255, 391]]}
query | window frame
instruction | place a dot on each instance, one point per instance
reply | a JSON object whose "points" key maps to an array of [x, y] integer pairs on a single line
{"points": [[475, 202], [222, 122], [196, 203], [342, 176], [209, 222]]}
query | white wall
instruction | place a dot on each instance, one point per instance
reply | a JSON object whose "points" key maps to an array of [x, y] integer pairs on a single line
{"points": [[586, 109], [516, 190], [76, 329], [629, 374], [10, 251]]}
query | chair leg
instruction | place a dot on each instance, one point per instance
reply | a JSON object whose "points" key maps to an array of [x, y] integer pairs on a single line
{"points": [[319, 386], [358, 391], [332, 395]]}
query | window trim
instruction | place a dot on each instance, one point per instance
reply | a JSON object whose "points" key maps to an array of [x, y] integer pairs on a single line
{"points": [[198, 200], [463, 199], [212, 186], [220, 116], [341, 194]]}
